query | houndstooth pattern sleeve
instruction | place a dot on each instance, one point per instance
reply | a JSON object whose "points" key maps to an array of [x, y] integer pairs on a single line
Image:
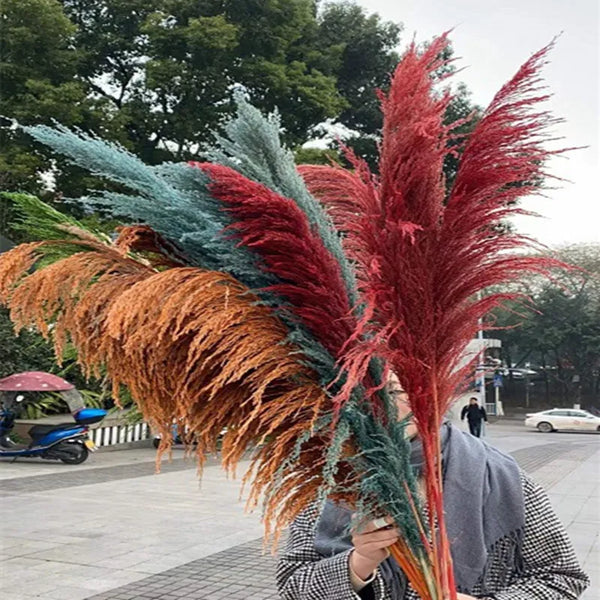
{"points": [[303, 574], [551, 569]]}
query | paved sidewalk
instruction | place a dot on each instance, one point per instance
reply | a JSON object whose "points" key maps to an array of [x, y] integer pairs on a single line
{"points": [[101, 459], [112, 530], [241, 573], [69, 543], [62, 479], [576, 499]]}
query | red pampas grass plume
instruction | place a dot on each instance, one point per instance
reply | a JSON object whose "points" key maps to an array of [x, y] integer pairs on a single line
{"points": [[424, 256]]}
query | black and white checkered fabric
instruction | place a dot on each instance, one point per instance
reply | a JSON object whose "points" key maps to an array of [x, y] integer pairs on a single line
{"points": [[551, 570]]}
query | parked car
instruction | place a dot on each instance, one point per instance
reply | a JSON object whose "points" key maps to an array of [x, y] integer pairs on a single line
{"points": [[560, 419]]}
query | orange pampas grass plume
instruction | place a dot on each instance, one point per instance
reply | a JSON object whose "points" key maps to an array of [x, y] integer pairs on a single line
{"points": [[190, 345]]}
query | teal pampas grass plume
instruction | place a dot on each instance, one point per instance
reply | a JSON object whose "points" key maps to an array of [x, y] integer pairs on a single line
{"points": [[252, 146]]}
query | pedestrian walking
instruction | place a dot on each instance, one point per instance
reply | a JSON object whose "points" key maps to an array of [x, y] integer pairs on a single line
{"points": [[475, 415]]}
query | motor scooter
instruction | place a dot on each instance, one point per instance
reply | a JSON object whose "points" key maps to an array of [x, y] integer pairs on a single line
{"points": [[67, 442]]}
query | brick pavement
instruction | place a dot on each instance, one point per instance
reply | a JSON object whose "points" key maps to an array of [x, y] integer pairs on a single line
{"points": [[550, 463], [218, 576], [41, 483]]}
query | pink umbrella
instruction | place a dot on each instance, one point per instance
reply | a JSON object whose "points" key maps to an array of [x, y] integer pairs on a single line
{"points": [[34, 381]]}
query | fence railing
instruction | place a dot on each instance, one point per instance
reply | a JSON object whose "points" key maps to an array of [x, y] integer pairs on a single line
{"points": [[119, 434]]}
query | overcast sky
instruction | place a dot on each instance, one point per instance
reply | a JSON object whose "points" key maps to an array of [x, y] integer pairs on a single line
{"points": [[493, 38]]}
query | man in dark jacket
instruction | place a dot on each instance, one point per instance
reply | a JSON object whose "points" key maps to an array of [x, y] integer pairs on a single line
{"points": [[475, 414]]}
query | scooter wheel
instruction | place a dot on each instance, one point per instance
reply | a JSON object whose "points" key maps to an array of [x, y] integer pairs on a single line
{"points": [[74, 454]]}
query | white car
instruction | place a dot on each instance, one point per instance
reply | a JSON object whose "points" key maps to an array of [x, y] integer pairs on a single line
{"points": [[559, 419]]}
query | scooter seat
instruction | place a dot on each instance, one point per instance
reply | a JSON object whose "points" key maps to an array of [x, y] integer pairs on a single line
{"points": [[39, 431]]}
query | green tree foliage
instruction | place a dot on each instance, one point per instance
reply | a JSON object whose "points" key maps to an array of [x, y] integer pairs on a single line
{"points": [[364, 50], [158, 75], [29, 351], [38, 83], [316, 156], [369, 56], [26, 352], [562, 334], [169, 67], [461, 108]]}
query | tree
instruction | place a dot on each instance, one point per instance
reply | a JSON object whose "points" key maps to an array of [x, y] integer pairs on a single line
{"points": [[567, 336], [461, 108], [169, 68], [158, 75], [316, 156], [26, 352], [562, 334], [38, 68], [367, 55]]}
